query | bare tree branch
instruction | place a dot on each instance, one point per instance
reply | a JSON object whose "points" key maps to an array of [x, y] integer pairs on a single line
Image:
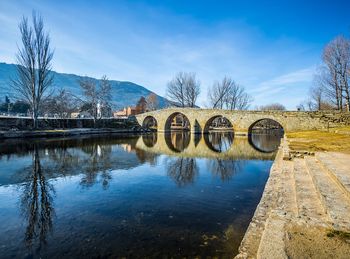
{"points": [[184, 89], [227, 94], [152, 102], [97, 95]]}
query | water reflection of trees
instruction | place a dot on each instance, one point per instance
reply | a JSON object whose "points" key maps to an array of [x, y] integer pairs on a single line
{"points": [[23, 147], [145, 156], [219, 141], [224, 169], [266, 141], [37, 204], [182, 170], [150, 139], [177, 141], [97, 164], [94, 158]]}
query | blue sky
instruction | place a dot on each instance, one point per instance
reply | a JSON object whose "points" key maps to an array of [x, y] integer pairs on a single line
{"points": [[270, 47]]}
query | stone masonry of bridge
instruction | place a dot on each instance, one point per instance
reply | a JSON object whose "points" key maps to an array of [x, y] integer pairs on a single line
{"points": [[242, 121]]}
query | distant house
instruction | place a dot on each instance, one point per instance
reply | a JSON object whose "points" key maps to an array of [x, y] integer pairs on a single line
{"points": [[74, 115], [126, 112], [83, 114]]}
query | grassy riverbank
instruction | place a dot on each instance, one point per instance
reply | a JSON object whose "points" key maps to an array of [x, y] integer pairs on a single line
{"points": [[337, 139]]}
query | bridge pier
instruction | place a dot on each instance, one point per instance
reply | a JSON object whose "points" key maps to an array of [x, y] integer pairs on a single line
{"points": [[196, 128]]}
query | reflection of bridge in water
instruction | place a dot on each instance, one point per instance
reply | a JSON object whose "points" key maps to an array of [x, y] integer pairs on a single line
{"points": [[218, 145]]}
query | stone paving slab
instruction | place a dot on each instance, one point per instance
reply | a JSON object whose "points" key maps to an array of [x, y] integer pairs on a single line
{"points": [[337, 164], [310, 207], [334, 199]]}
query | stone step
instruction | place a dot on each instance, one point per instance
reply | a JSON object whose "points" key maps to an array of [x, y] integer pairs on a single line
{"points": [[287, 199], [310, 207], [272, 243], [338, 166], [272, 238], [334, 200], [252, 239]]}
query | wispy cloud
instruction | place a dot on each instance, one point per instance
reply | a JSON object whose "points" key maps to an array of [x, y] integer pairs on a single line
{"points": [[283, 81], [289, 88]]}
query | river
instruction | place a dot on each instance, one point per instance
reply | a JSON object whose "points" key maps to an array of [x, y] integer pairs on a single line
{"points": [[132, 196]]}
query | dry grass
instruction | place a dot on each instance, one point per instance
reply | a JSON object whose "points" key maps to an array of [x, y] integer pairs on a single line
{"points": [[312, 242], [340, 234], [337, 140]]}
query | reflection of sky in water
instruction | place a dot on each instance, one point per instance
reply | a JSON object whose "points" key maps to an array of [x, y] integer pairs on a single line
{"points": [[151, 204]]}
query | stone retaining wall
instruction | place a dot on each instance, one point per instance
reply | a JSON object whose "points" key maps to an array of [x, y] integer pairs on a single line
{"points": [[8, 123]]}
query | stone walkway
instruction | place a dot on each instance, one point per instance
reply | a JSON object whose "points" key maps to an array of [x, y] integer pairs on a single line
{"points": [[311, 193]]}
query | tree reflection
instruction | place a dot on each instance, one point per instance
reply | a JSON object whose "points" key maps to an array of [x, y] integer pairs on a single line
{"points": [[150, 139], [266, 141], [99, 162], [225, 169], [145, 156], [37, 204], [182, 170], [177, 141], [219, 141]]}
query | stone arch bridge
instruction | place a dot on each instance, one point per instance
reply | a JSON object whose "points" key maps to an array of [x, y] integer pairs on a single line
{"points": [[242, 121]]}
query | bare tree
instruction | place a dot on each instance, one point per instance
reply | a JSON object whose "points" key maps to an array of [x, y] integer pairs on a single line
{"points": [[316, 96], [218, 92], [184, 89], [227, 94], [272, 107], [105, 92], [61, 104], [336, 75], [192, 90], [97, 95], [237, 98], [34, 64], [152, 102]]}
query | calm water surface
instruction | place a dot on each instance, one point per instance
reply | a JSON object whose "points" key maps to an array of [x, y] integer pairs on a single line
{"points": [[130, 196]]}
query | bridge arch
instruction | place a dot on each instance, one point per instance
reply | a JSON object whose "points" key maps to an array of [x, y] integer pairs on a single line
{"points": [[177, 121], [150, 122], [265, 124], [218, 122]]}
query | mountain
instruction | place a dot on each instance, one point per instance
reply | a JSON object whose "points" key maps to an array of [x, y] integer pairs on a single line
{"points": [[123, 93]]}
